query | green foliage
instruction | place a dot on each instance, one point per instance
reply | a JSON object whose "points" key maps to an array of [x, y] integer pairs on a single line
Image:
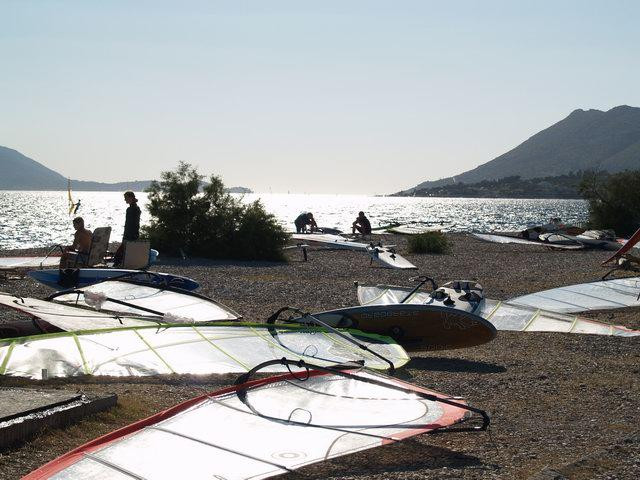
{"points": [[210, 223], [429, 242], [614, 200]]}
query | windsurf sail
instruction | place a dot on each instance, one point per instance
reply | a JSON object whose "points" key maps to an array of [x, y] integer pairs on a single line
{"points": [[503, 315], [629, 244], [385, 255], [509, 239], [519, 318], [615, 293], [133, 298], [308, 416], [72, 204], [70, 318], [181, 349]]}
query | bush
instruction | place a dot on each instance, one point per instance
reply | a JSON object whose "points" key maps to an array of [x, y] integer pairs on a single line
{"points": [[429, 242], [614, 200], [210, 223]]}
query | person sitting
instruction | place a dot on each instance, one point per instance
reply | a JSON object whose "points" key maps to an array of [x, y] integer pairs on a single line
{"points": [[80, 247], [362, 224], [304, 220]]}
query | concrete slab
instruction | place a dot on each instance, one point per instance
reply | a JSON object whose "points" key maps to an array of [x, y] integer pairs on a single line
{"points": [[26, 411]]}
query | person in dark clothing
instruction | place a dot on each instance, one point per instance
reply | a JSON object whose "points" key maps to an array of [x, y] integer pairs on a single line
{"points": [[131, 225], [303, 220], [132, 220], [362, 224]]}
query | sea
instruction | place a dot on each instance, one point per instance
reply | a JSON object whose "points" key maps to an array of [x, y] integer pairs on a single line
{"points": [[40, 219]]}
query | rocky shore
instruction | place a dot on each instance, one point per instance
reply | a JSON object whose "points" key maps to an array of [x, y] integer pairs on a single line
{"points": [[562, 405]]}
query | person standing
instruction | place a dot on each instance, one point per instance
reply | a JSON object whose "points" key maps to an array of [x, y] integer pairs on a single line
{"points": [[132, 220], [131, 225]]}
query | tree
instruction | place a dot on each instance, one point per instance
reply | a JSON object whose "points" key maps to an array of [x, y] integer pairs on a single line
{"points": [[614, 200], [210, 223]]}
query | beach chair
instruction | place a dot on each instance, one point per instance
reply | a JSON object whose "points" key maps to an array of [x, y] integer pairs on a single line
{"points": [[97, 251], [136, 254]]}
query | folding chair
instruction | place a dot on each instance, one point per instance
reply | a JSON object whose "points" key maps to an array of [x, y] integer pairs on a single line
{"points": [[97, 251]]}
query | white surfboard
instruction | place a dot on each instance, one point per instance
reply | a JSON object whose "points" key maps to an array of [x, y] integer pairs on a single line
{"points": [[26, 263], [385, 255]]}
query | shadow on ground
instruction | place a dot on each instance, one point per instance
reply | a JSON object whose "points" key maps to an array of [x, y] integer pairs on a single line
{"points": [[407, 456], [441, 364]]}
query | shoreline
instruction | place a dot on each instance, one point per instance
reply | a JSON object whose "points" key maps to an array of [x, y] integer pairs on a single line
{"points": [[553, 398]]}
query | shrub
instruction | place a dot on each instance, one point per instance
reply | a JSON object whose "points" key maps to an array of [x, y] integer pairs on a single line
{"points": [[211, 223], [429, 242], [614, 200]]}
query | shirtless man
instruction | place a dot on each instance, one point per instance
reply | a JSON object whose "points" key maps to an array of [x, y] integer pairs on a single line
{"points": [[361, 224], [80, 247], [304, 220]]}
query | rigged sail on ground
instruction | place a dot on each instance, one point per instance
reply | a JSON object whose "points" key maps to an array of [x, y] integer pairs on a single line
{"points": [[494, 238], [262, 428], [629, 244], [386, 256], [604, 295], [520, 318], [503, 315], [70, 318], [137, 299], [207, 349]]}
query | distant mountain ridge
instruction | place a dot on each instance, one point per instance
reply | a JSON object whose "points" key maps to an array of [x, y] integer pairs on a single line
{"points": [[585, 140], [19, 172]]}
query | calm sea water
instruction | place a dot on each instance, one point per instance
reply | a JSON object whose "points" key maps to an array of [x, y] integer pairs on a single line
{"points": [[38, 219]]}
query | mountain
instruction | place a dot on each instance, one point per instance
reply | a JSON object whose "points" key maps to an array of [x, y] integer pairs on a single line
{"points": [[585, 140], [23, 173]]}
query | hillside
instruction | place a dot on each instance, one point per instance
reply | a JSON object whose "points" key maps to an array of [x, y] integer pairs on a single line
{"points": [[561, 186], [585, 140], [20, 172]]}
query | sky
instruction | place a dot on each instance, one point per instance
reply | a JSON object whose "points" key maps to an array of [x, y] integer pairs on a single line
{"points": [[348, 96]]}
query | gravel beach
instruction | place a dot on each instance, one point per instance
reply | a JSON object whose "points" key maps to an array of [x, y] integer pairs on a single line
{"points": [[562, 405]]}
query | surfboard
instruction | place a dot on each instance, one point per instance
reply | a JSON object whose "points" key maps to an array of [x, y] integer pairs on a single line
{"points": [[385, 255], [411, 229], [415, 327], [88, 276], [26, 263], [388, 257], [494, 238]]}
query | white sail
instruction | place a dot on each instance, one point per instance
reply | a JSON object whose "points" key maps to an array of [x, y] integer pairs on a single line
{"points": [[144, 299], [503, 315], [260, 430], [616, 293], [207, 349]]}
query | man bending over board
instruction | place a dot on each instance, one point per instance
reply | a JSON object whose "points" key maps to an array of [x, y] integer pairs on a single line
{"points": [[362, 224], [81, 244], [304, 220]]}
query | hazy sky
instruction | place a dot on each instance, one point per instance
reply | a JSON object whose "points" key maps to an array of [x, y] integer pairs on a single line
{"points": [[308, 96]]}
